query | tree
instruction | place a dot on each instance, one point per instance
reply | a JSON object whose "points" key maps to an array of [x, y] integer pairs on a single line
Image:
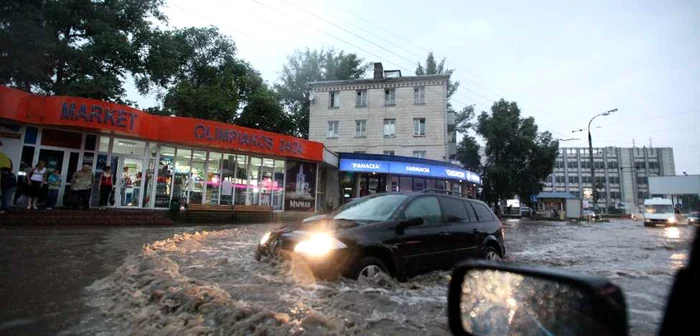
{"points": [[203, 78], [308, 66], [70, 47], [433, 68], [518, 157], [468, 153]]}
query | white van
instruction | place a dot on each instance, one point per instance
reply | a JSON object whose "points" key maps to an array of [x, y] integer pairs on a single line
{"points": [[659, 211]]}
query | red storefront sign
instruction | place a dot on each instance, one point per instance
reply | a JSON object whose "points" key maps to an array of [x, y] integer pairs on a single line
{"points": [[95, 115]]}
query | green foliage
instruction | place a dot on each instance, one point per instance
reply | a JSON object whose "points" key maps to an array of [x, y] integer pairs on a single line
{"points": [[468, 153], [304, 67], [433, 68], [518, 157], [74, 47]]}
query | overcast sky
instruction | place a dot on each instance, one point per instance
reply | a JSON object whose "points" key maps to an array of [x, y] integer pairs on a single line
{"points": [[562, 63]]}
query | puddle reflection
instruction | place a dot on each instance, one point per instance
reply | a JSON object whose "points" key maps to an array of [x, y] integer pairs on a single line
{"points": [[672, 233]]}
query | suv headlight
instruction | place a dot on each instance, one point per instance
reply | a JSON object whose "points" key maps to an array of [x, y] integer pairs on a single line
{"points": [[672, 220], [319, 244], [265, 238]]}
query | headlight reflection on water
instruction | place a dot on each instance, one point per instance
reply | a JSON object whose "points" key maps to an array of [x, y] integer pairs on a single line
{"points": [[672, 233]]}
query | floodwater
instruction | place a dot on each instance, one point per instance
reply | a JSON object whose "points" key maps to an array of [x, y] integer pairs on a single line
{"points": [[104, 281]]}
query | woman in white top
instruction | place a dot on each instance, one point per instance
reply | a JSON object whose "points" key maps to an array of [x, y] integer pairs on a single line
{"points": [[36, 180]]}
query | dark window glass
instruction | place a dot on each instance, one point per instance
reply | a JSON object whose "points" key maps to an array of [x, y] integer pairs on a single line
{"points": [[90, 142], [27, 160], [30, 135], [427, 208], [57, 138], [455, 210], [482, 212]]}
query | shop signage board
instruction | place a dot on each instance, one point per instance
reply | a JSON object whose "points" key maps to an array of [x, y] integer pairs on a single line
{"points": [[408, 169], [300, 190], [99, 116]]}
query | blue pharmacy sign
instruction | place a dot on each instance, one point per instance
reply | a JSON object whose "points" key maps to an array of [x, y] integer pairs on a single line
{"points": [[408, 169]]}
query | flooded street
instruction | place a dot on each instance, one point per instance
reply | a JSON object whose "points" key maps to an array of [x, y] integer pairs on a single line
{"points": [[104, 281]]}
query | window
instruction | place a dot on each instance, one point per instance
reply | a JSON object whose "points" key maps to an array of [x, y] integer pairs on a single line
{"points": [[361, 98], [389, 97], [388, 152], [333, 129], [572, 164], [639, 165], [418, 126], [482, 212], [419, 154], [419, 95], [559, 179], [455, 210], [334, 101], [559, 164], [641, 195], [642, 180], [599, 164], [360, 128], [615, 195], [573, 179], [427, 208], [389, 128], [612, 164], [654, 165], [614, 179], [586, 164]]}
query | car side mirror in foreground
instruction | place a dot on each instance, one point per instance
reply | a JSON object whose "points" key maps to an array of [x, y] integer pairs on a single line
{"points": [[487, 298]]}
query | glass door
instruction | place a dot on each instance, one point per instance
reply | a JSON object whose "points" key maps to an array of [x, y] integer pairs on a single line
{"points": [[129, 175]]}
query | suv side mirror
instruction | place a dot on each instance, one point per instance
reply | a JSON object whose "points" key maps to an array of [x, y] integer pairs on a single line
{"points": [[487, 298], [410, 222]]}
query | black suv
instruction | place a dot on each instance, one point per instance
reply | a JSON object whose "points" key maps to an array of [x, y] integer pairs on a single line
{"points": [[402, 234]]}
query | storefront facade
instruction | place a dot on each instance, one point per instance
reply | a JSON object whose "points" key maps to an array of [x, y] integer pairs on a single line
{"points": [[364, 174], [158, 159]]}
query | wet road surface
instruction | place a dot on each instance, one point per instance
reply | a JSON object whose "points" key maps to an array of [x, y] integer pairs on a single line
{"points": [[203, 282]]}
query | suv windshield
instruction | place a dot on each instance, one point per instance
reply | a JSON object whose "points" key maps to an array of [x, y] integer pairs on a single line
{"points": [[659, 208], [374, 209]]}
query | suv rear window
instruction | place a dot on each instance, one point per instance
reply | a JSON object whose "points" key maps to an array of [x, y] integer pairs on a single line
{"points": [[455, 210], [482, 212]]}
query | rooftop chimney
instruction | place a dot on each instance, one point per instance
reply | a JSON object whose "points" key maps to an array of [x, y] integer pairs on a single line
{"points": [[378, 70]]}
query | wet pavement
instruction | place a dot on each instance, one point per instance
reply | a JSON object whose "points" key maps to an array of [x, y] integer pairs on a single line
{"points": [[103, 281]]}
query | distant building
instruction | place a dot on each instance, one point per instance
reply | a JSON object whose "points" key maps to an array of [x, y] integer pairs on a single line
{"points": [[389, 114], [623, 173]]}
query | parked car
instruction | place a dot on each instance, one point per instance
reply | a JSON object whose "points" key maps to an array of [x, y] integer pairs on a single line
{"points": [[400, 234], [694, 218]]}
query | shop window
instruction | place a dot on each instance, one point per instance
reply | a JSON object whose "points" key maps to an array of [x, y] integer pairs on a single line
{"points": [[440, 184], [148, 183], [254, 180], [228, 177], [181, 177], [430, 184], [164, 182], [128, 146], [278, 185], [213, 178], [405, 184], [241, 181], [30, 134], [266, 181], [90, 142], [64, 139], [197, 177], [418, 184]]}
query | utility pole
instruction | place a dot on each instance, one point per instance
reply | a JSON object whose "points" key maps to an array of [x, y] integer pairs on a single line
{"points": [[590, 154]]}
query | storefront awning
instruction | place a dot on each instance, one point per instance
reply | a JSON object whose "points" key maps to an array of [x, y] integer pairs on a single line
{"points": [[365, 163]]}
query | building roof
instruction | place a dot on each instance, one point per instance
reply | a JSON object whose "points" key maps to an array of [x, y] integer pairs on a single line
{"points": [[383, 80], [564, 195]]}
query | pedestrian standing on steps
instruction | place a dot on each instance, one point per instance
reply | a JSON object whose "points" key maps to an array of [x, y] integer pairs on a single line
{"points": [[105, 187], [36, 179], [54, 180], [82, 185], [8, 185]]}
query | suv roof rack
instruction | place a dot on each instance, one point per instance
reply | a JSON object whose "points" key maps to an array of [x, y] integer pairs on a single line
{"points": [[446, 192]]}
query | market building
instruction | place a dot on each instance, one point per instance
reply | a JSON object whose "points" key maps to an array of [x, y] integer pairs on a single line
{"points": [[158, 159]]}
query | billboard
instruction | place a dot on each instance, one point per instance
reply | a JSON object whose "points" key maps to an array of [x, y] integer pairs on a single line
{"points": [[674, 185], [300, 190]]}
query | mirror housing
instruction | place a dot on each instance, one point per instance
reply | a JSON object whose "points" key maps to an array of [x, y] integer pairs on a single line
{"points": [[605, 301], [410, 222]]}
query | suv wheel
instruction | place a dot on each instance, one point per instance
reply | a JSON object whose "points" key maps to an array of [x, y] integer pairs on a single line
{"points": [[369, 269], [490, 253]]}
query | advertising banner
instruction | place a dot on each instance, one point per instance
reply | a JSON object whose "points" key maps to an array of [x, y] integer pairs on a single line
{"points": [[300, 190]]}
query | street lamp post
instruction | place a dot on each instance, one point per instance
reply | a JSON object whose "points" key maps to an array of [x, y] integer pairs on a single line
{"points": [[590, 155]]}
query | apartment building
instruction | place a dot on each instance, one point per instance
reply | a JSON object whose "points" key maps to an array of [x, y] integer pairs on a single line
{"points": [[389, 114], [622, 173]]}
